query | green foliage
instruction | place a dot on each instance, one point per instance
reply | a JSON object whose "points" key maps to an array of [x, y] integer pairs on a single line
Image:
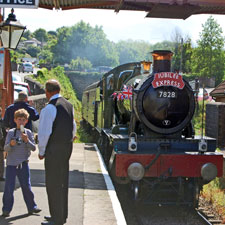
{"points": [[214, 193], [41, 35], [197, 119], [133, 51], [208, 58], [27, 35], [40, 74], [189, 76], [15, 56], [52, 33], [80, 64], [84, 41], [33, 50], [82, 45], [45, 56], [66, 87], [164, 45], [83, 135]]}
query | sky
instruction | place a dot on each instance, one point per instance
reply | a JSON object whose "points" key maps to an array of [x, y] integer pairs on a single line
{"points": [[117, 26]]}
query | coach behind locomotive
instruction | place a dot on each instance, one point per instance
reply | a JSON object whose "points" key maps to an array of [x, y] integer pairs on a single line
{"points": [[145, 134]]}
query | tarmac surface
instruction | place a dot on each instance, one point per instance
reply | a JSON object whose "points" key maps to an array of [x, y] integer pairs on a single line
{"points": [[92, 198]]}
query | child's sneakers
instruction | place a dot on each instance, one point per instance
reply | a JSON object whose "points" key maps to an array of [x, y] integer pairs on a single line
{"points": [[34, 210]]}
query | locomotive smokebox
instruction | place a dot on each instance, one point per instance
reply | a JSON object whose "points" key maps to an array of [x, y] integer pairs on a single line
{"points": [[161, 61], [164, 101]]}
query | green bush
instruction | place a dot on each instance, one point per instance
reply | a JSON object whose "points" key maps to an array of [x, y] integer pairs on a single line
{"points": [[66, 87]]}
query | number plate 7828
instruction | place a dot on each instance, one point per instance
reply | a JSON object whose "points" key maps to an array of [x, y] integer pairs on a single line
{"points": [[166, 94]]}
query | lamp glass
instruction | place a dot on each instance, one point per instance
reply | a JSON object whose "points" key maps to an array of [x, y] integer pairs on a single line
{"points": [[10, 36]]}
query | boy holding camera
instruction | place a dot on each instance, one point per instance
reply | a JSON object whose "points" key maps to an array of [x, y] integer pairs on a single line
{"points": [[18, 145]]}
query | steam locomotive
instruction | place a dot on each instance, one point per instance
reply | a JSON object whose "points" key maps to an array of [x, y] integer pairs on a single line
{"points": [[145, 134]]}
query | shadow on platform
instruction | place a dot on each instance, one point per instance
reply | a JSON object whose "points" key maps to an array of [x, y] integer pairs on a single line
{"points": [[94, 181]]}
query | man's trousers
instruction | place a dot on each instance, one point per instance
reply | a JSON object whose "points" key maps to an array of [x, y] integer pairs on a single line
{"points": [[57, 176]]}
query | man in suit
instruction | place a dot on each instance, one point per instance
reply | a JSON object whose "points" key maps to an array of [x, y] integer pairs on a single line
{"points": [[56, 132]]}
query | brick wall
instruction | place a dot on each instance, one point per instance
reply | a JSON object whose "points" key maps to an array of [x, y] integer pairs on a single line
{"points": [[80, 82], [215, 122]]}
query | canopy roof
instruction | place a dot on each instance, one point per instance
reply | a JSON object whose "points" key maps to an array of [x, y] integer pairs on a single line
{"points": [[219, 90], [177, 9]]}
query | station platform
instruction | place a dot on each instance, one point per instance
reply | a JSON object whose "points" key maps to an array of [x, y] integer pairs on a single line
{"points": [[92, 197]]}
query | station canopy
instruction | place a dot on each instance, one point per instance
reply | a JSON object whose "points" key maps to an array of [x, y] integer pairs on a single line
{"points": [[177, 9]]}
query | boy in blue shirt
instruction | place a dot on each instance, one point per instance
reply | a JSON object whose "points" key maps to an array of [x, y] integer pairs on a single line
{"points": [[18, 145]]}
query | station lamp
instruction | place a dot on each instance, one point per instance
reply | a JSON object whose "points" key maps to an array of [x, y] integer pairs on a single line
{"points": [[11, 31]]}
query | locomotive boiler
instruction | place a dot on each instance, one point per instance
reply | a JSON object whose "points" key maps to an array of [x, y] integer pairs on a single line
{"points": [[144, 132]]}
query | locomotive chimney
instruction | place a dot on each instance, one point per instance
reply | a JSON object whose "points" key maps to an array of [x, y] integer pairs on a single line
{"points": [[162, 61]]}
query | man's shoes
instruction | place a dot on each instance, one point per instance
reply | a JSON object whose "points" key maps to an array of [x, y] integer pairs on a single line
{"points": [[2, 178], [48, 223], [34, 210], [49, 218], [5, 214]]}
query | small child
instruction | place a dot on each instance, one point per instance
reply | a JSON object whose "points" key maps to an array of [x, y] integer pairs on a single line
{"points": [[18, 145]]}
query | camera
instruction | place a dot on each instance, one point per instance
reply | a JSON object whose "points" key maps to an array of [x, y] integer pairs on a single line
{"points": [[18, 141]]}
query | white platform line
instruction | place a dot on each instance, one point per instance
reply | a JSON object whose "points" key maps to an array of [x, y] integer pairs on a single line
{"points": [[118, 212]]}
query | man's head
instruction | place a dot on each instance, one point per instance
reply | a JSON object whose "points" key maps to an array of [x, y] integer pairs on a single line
{"points": [[52, 87], [22, 97], [21, 117]]}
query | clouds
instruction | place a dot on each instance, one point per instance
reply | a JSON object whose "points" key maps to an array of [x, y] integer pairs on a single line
{"points": [[121, 26]]}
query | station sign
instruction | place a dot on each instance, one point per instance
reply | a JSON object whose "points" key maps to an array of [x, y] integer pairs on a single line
{"points": [[19, 3]]}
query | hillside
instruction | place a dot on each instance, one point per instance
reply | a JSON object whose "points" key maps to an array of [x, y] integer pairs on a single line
{"points": [[67, 90]]}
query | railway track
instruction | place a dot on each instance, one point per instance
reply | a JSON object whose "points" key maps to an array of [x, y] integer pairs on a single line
{"points": [[137, 213], [208, 217]]}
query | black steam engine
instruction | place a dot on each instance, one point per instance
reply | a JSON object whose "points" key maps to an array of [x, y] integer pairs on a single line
{"points": [[145, 134]]}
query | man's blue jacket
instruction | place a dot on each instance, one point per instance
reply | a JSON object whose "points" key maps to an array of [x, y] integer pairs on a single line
{"points": [[9, 114]]}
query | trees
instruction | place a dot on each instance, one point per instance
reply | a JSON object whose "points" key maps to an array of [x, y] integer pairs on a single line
{"points": [[182, 48], [33, 50], [84, 41], [131, 51], [208, 58], [80, 64], [27, 35], [41, 35]]}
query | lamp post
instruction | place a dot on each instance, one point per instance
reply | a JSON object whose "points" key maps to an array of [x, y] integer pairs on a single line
{"points": [[11, 31]]}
